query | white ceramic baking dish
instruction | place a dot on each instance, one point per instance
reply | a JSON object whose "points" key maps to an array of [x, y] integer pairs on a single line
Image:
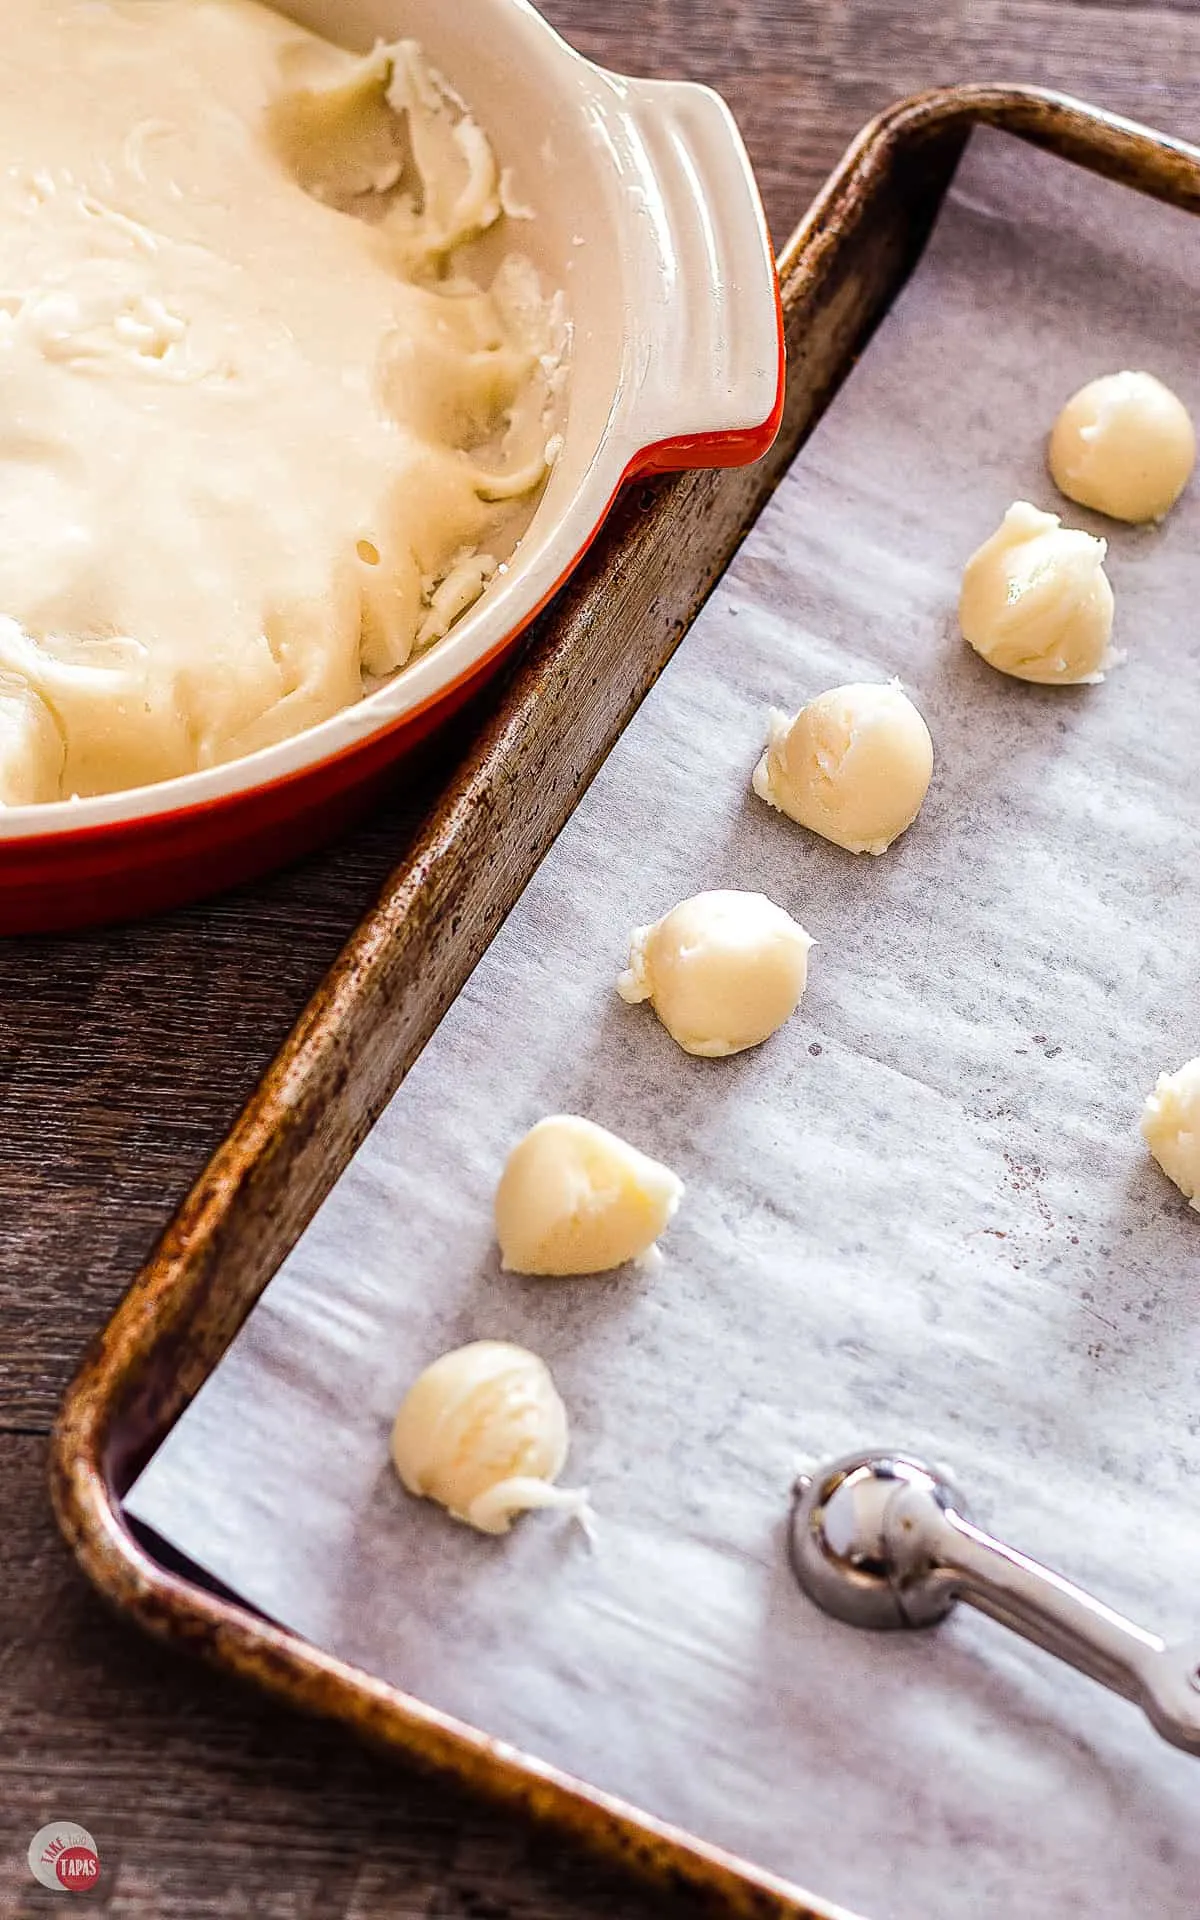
{"points": [[647, 216]]}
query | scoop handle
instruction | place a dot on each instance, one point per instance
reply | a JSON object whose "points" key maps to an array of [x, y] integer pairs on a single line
{"points": [[883, 1540]]}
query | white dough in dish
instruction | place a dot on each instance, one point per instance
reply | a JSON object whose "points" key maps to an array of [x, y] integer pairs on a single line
{"points": [[484, 1433], [261, 439], [723, 970], [854, 765], [1125, 446], [1036, 602], [574, 1198], [1171, 1128]]}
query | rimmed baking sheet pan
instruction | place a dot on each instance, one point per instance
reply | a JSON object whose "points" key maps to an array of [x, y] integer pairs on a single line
{"points": [[853, 1052]]}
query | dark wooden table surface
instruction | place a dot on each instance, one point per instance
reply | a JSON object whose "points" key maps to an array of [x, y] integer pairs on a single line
{"points": [[124, 1057]]}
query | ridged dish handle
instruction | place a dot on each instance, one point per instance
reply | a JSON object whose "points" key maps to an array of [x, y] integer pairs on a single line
{"points": [[705, 387]]}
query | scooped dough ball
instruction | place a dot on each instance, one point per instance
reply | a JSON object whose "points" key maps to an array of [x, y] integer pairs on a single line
{"points": [[1124, 445], [1171, 1128], [574, 1198], [854, 765], [484, 1433], [1036, 602], [722, 971]]}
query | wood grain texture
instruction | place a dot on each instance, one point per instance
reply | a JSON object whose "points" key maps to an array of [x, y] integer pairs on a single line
{"points": [[124, 1057]]}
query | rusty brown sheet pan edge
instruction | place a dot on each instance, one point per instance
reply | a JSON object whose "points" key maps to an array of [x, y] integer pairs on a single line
{"points": [[588, 666]]}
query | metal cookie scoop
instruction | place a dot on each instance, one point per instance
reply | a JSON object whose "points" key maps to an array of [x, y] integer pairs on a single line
{"points": [[881, 1540]]}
